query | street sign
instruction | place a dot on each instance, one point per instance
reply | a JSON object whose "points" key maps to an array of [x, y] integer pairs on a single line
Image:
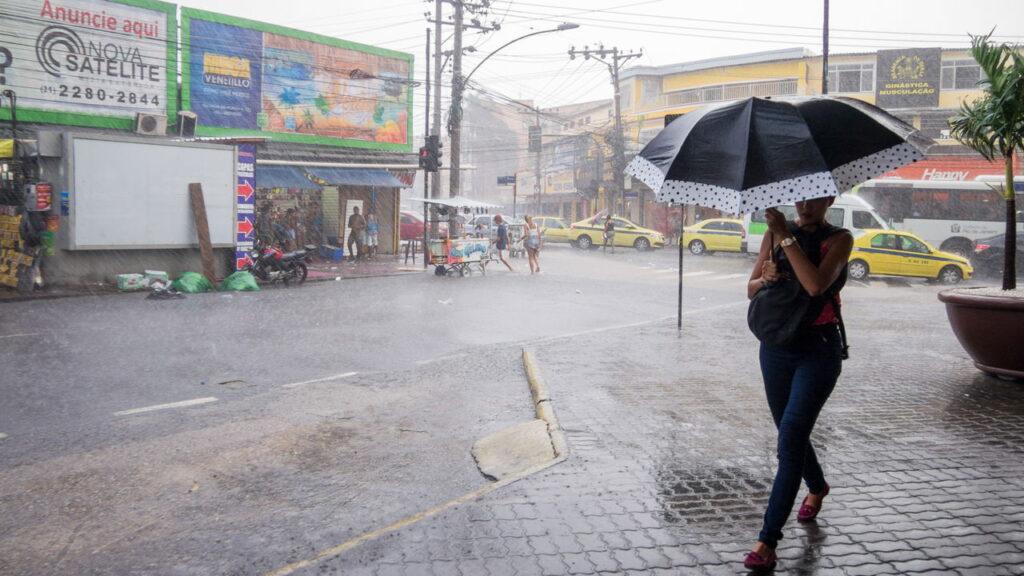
{"points": [[506, 180]]}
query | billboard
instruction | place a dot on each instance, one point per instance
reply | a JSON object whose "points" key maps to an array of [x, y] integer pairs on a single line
{"points": [[246, 78], [89, 62], [908, 78]]}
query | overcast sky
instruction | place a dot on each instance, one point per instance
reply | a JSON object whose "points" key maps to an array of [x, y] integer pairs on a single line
{"points": [[666, 30]]}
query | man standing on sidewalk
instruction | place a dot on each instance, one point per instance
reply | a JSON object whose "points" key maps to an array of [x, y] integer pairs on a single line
{"points": [[356, 228]]}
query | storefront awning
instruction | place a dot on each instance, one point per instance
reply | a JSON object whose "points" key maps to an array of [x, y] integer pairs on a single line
{"points": [[356, 177], [282, 177], [6, 148]]}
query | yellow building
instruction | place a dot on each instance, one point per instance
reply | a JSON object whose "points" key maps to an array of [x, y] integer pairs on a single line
{"points": [[924, 87]]}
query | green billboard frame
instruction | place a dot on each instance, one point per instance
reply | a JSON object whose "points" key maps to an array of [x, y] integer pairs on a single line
{"points": [[36, 115], [188, 14]]}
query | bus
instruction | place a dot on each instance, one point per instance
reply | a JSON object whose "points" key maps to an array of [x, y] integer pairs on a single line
{"points": [[950, 215]]}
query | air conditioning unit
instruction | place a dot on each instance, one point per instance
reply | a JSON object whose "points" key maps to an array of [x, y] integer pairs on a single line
{"points": [[187, 124], [150, 124], [944, 134]]}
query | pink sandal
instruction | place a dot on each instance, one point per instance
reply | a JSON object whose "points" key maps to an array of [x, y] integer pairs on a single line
{"points": [[760, 564], [808, 512]]}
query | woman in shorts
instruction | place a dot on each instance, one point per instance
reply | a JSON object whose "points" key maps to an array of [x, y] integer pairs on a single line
{"points": [[532, 242]]}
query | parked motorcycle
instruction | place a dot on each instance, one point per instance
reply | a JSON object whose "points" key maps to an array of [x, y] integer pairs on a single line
{"points": [[270, 264]]}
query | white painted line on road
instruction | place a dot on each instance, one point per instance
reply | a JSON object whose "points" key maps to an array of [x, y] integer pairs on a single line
{"points": [[441, 359], [325, 379], [635, 324], [732, 276], [182, 404], [2, 435], [25, 335], [693, 274], [944, 356], [668, 271]]}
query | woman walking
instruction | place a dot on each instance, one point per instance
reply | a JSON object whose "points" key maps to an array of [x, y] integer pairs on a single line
{"points": [[609, 234], [502, 242], [533, 243], [800, 373]]}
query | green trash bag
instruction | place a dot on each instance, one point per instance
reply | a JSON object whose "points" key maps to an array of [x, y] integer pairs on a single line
{"points": [[240, 281], [192, 283]]}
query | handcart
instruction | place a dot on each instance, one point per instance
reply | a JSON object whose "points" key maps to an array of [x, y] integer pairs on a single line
{"points": [[459, 256], [517, 240]]}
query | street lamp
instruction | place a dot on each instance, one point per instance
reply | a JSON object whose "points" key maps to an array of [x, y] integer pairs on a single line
{"points": [[560, 28], [455, 111]]}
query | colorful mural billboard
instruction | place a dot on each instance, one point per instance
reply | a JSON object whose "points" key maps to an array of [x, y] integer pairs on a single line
{"points": [[88, 62], [246, 78]]}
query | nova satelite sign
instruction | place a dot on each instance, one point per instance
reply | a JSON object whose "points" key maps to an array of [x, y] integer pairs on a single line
{"points": [[89, 62]]}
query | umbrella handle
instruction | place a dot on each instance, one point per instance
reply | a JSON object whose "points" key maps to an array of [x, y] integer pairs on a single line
{"points": [[771, 247]]}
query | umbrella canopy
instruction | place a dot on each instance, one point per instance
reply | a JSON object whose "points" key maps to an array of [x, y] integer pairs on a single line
{"points": [[756, 153]]}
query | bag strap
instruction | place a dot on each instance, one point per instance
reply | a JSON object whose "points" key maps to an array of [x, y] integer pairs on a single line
{"points": [[837, 307]]}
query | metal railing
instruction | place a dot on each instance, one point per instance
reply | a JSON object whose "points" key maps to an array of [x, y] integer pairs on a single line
{"points": [[722, 92]]}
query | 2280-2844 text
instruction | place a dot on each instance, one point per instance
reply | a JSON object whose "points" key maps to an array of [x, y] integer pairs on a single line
{"points": [[102, 95]]}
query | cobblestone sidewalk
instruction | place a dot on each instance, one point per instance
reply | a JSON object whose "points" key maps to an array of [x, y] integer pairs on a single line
{"points": [[672, 455]]}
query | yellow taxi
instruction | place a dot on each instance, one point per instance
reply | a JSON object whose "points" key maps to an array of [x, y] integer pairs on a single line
{"points": [[590, 232], [552, 228], [899, 253], [714, 235]]}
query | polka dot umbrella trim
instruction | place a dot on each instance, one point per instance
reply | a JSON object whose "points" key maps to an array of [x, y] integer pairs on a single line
{"points": [[730, 159]]}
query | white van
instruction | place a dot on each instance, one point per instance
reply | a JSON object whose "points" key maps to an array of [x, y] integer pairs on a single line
{"points": [[850, 212]]}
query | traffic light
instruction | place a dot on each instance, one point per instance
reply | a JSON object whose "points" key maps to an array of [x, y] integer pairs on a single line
{"points": [[427, 160], [430, 155], [435, 145]]}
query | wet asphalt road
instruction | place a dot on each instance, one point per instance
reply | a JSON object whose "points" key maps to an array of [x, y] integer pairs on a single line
{"points": [[318, 412], [266, 465]]}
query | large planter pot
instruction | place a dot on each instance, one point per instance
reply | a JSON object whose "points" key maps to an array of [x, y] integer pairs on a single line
{"points": [[990, 327]]}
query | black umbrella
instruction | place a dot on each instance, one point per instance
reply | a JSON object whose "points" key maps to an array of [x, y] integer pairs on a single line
{"points": [[756, 153]]}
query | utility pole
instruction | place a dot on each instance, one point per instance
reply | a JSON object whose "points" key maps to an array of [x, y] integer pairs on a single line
{"points": [[426, 131], [613, 59], [459, 84], [824, 53], [454, 165], [536, 159], [435, 177]]}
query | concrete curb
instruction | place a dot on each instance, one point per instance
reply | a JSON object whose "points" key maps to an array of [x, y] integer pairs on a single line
{"points": [[542, 405], [114, 292], [544, 411]]}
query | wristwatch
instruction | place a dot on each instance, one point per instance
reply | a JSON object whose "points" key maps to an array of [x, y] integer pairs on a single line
{"points": [[787, 242]]}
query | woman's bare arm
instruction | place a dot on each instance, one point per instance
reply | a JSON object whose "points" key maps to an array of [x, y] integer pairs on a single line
{"points": [[757, 279]]}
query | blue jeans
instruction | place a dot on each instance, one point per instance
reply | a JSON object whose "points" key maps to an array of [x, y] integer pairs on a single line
{"points": [[798, 379]]}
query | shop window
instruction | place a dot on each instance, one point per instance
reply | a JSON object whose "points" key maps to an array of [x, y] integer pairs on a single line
{"points": [[650, 90], [960, 74], [846, 78]]}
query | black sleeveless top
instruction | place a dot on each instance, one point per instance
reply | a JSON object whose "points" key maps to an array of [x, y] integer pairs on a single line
{"points": [[810, 242]]}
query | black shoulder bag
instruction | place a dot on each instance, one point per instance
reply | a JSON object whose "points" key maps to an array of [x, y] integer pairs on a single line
{"points": [[781, 309]]}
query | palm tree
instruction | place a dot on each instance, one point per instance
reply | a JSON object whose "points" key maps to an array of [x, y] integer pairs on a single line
{"points": [[993, 126]]}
